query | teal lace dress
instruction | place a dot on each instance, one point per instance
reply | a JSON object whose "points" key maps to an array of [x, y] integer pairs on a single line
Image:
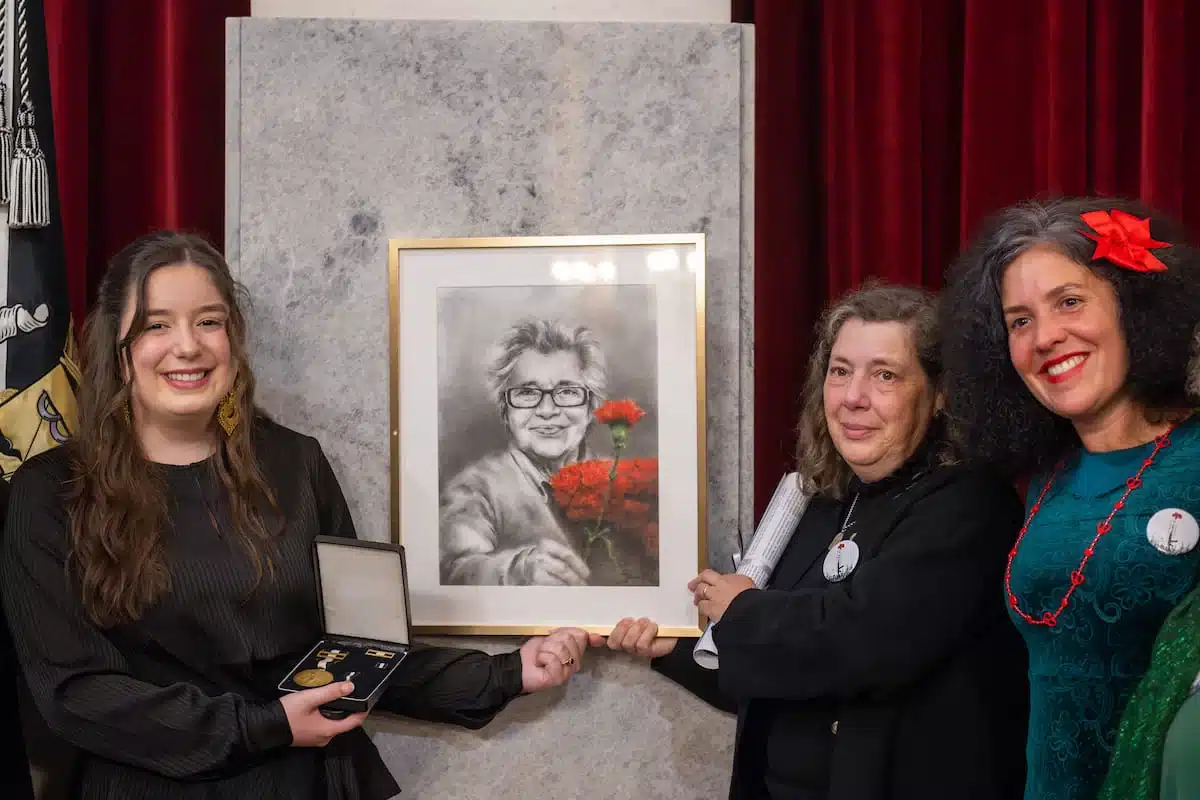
{"points": [[1084, 669]]}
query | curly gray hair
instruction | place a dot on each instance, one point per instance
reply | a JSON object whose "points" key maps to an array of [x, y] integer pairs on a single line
{"points": [[547, 336]]}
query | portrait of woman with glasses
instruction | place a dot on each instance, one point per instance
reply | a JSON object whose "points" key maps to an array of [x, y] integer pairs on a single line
{"points": [[500, 524]]}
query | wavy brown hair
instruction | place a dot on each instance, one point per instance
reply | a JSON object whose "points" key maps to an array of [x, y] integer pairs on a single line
{"points": [[117, 501], [822, 469]]}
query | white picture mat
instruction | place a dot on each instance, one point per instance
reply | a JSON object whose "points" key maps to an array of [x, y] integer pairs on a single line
{"points": [[421, 272], [362, 589]]}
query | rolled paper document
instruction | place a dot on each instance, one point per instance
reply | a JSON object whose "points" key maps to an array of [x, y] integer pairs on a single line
{"points": [[774, 531]]}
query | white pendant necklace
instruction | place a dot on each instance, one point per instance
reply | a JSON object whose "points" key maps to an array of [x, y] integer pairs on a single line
{"points": [[842, 558]]}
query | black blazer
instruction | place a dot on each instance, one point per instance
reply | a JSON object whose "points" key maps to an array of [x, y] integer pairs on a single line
{"points": [[914, 651]]}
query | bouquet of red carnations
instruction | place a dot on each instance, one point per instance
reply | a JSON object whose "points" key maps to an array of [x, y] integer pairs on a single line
{"points": [[610, 496]]}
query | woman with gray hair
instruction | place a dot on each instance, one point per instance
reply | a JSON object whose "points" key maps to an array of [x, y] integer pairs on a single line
{"points": [[876, 661], [498, 521]]}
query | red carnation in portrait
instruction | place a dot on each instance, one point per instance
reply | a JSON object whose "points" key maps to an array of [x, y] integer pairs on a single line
{"points": [[626, 503], [620, 416], [613, 497], [624, 412]]}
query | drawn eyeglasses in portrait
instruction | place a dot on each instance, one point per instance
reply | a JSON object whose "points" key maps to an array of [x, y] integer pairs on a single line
{"points": [[562, 396], [537, 383]]}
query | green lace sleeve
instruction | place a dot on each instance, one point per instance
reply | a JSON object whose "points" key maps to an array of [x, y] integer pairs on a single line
{"points": [[1136, 767]]}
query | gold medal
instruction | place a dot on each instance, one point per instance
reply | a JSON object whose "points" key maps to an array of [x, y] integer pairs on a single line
{"points": [[312, 678]]}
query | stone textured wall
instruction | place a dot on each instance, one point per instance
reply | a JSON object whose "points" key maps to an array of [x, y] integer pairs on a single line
{"points": [[342, 134]]}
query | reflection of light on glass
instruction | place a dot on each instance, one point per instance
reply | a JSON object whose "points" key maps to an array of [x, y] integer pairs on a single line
{"points": [[693, 261], [662, 260], [583, 271], [562, 271]]}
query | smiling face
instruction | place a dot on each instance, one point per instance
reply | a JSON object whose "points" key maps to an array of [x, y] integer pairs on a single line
{"points": [[1064, 335], [181, 365], [878, 400], [547, 431]]}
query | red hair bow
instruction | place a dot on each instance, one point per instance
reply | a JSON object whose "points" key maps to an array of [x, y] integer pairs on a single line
{"points": [[1124, 240]]}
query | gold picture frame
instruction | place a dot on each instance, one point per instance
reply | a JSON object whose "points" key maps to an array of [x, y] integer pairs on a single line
{"points": [[425, 262]]}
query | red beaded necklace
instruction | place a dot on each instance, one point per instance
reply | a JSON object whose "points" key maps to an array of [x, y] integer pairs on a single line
{"points": [[1050, 618]]}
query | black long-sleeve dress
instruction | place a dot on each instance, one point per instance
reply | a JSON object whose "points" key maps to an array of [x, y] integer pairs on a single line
{"points": [[15, 778], [183, 703], [906, 679]]}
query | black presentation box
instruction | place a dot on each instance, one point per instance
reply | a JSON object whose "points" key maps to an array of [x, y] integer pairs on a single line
{"points": [[363, 588]]}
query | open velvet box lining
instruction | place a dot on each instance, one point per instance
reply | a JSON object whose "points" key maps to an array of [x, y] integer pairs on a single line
{"points": [[364, 605]]}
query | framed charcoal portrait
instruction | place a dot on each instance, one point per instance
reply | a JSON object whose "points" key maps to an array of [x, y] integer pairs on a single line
{"points": [[547, 408]]}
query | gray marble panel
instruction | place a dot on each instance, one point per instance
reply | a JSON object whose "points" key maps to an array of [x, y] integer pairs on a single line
{"points": [[617, 730], [342, 134], [746, 329]]}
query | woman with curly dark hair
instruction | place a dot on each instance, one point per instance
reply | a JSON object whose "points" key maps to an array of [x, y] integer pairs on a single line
{"points": [[1067, 334]]}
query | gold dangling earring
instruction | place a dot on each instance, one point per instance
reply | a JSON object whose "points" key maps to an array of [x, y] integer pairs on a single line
{"points": [[227, 414]]}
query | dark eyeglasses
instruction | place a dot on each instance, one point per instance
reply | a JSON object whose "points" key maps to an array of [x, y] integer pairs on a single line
{"points": [[531, 396]]}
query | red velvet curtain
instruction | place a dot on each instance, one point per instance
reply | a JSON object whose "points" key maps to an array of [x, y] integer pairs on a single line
{"points": [[138, 88], [888, 128]]}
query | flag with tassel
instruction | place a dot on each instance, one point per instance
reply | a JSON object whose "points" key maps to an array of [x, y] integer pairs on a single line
{"points": [[37, 358], [37, 399]]}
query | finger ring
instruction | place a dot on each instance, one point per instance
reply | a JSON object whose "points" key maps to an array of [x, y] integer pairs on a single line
{"points": [[569, 661], [705, 595]]}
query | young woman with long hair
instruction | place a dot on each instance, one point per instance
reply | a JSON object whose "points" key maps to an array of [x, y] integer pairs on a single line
{"points": [[157, 568]]}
